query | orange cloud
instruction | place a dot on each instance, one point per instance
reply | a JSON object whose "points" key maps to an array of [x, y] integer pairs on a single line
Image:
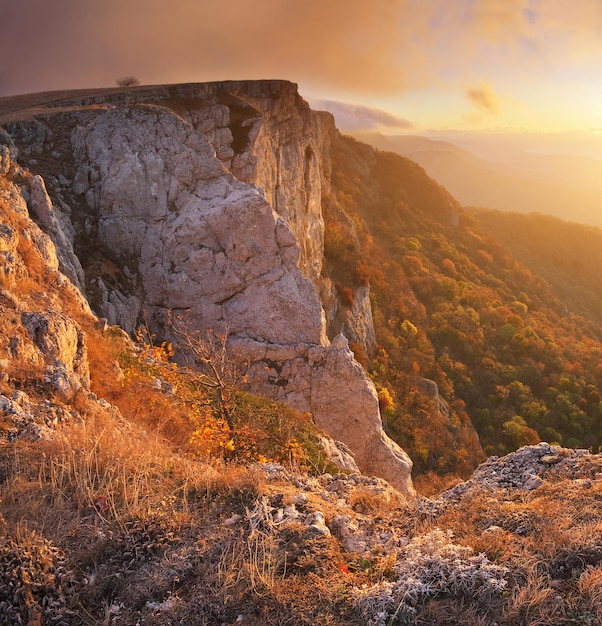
{"points": [[483, 99], [344, 48], [348, 45]]}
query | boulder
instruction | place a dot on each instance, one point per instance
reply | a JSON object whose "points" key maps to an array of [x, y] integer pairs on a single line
{"points": [[60, 341], [43, 210], [344, 403]]}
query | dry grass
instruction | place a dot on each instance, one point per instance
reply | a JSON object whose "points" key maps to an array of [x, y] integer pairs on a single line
{"points": [[134, 516], [106, 489], [129, 381], [589, 588], [117, 497], [534, 602], [94, 467], [550, 541], [375, 502], [249, 563]]}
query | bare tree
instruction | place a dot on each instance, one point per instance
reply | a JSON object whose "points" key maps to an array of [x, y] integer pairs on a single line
{"points": [[218, 371]]}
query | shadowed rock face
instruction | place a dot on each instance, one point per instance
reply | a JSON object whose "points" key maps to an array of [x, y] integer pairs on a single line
{"points": [[205, 200]]}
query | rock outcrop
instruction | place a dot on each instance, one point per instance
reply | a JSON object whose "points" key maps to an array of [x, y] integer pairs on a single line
{"points": [[525, 469], [204, 201], [198, 240], [41, 340]]}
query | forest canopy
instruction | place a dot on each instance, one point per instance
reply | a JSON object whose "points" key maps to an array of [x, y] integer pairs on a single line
{"points": [[513, 355]]}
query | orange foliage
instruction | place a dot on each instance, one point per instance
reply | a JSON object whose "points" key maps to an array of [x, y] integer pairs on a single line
{"points": [[490, 332]]}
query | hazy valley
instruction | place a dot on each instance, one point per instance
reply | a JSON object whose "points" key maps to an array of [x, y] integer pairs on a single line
{"points": [[512, 179]]}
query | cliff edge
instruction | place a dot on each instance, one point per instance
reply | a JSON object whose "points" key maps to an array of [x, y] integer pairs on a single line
{"points": [[204, 202]]}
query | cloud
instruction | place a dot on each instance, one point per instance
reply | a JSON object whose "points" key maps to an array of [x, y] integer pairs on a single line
{"points": [[483, 99], [358, 117], [346, 45], [343, 48]]}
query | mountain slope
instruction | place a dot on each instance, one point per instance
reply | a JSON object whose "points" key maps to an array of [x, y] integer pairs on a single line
{"points": [[111, 512], [460, 339], [199, 206], [452, 304], [134, 490], [568, 255]]}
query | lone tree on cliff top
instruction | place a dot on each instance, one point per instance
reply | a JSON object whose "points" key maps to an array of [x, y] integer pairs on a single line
{"points": [[127, 81]]}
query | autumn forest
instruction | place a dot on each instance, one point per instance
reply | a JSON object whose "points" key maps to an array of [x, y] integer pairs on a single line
{"points": [[507, 326]]}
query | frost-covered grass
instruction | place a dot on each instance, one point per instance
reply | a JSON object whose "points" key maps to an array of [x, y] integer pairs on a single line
{"points": [[428, 566]]}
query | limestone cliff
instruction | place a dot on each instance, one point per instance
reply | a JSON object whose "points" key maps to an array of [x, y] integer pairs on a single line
{"points": [[205, 200], [41, 339]]}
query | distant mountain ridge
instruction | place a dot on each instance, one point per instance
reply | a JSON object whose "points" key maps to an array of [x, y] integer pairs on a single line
{"points": [[566, 186]]}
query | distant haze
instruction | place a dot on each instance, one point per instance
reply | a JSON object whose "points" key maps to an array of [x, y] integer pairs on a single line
{"points": [[505, 175]]}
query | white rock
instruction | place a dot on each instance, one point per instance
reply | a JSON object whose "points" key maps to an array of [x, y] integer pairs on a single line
{"points": [[316, 524], [533, 482]]}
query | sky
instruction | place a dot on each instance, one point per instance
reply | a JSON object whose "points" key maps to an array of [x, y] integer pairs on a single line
{"points": [[397, 66]]}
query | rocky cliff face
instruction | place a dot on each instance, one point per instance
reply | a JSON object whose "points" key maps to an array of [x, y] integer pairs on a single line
{"points": [[205, 201], [42, 346]]}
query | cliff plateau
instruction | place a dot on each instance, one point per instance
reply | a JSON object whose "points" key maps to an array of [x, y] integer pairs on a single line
{"points": [[204, 202]]}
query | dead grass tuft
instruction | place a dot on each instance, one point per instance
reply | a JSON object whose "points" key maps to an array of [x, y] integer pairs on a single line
{"points": [[533, 602], [589, 588], [375, 502], [234, 486]]}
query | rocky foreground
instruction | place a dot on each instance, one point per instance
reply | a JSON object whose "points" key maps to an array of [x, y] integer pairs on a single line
{"points": [[520, 542]]}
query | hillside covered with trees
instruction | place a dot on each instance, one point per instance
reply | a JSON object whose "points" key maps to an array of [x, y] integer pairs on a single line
{"points": [[510, 353], [567, 254]]}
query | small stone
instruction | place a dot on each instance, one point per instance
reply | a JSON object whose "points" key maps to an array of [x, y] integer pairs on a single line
{"points": [[494, 531], [4, 160], [233, 520], [340, 343], [102, 324], [533, 482], [316, 524]]}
